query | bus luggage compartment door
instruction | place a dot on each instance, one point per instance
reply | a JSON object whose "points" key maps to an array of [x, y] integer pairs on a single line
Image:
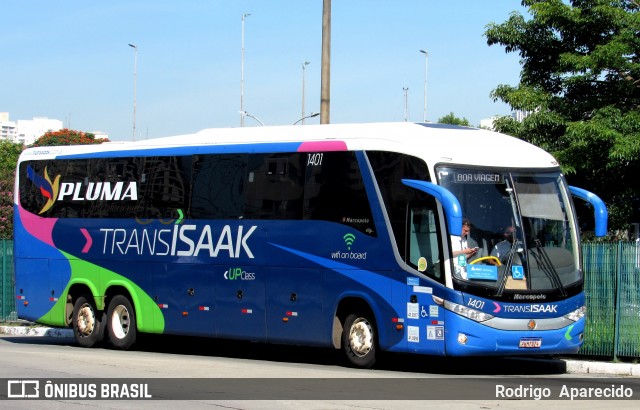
{"points": [[294, 306], [240, 302]]}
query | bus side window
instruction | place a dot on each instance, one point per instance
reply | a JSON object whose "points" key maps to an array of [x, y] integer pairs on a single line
{"points": [[390, 169], [218, 186], [275, 186], [335, 191], [164, 186], [423, 251]]}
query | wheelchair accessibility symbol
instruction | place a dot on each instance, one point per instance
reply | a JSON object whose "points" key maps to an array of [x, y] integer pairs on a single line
{"points": [[423, 312], [517, 272]]}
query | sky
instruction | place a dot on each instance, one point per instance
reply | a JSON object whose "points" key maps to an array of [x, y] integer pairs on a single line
{"points": [[71, 60]]}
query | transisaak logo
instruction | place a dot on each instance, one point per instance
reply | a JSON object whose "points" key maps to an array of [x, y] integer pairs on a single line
{"points": [[48, 189]]}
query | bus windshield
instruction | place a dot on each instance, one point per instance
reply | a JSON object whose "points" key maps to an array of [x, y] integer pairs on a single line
{"points": [[521, 225]]}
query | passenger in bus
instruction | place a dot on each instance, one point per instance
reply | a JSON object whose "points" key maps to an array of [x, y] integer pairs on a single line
{"points": [[503, 248]]}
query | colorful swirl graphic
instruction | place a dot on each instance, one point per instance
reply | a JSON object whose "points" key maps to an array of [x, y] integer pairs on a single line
{"points": [[48, 189]]}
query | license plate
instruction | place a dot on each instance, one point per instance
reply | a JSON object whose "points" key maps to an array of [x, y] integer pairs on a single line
{"points": [[530, 343]]}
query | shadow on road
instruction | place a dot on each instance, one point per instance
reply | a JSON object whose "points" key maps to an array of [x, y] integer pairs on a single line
{"points": [[198, 346], [330, 357]]}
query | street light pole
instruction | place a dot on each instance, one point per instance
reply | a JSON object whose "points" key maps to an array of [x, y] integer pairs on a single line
{"points": [[304, 65], [245, 15], [246, 114], [426, 58], [315, 114], [406, 103], [135, 77]]}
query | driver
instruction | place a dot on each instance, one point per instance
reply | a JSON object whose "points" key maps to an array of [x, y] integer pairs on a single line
{"points": [[466, 245], [503, 248], [463, 248]]}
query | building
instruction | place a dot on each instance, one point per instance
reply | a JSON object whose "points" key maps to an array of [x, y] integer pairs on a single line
{"points": [[8, 129], [487, 123], [30, 130], [520, 115], [517, 115], [26, 131]]}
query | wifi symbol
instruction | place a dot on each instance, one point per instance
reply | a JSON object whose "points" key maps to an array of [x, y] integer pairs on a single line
{"points": [[349, 239]]}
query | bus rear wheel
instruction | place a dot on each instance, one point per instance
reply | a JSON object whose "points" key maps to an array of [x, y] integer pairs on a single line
{"points": [[121, 323], [359, 341], [87, 322]]}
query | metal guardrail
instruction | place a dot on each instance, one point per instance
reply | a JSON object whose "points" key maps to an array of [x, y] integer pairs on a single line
{"points": [[612, 289], [7, 285]]}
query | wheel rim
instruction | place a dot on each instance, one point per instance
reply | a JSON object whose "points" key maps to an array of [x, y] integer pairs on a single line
{"points": [[120, 322], [361, 337], [86, 320]]}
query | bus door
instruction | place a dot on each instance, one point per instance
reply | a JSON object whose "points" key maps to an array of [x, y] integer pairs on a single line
{"points": [[240, 302], [424, 322], [424, 233]]}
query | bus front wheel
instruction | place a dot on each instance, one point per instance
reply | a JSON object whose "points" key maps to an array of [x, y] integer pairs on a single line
{"points": [[121, 323], [87, 322], [359, 341]]}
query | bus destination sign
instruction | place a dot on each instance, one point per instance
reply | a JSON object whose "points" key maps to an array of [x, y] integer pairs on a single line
{"points": [[477, 178]]}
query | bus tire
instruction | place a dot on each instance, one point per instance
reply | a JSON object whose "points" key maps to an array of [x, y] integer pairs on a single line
{"points": [[88, 326], [121, 323], [359, 341]]}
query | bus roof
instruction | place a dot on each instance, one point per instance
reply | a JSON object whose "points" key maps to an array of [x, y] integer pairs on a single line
{"points": [[435, 143]]}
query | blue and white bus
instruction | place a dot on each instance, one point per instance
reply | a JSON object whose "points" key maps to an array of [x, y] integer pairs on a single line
{"points": [[332, 235]]}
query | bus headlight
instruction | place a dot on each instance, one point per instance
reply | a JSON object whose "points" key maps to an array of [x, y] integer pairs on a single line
{"points": [[577, 314], [472, 314]]}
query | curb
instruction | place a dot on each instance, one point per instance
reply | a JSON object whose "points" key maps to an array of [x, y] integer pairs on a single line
{"points": [[571, 366], [36, 331], [611, 369]]}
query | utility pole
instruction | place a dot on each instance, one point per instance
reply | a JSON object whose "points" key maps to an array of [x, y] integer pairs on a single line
{"points": [[325, 89]]}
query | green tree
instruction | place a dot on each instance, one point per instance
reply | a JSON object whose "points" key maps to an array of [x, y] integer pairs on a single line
{"points": [[580, 80], [67, 137], [452, 119], [9, 153]]}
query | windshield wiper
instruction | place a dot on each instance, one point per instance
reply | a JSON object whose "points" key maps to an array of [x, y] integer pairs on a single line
{"points": [[507, 268], [545, 264]]}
